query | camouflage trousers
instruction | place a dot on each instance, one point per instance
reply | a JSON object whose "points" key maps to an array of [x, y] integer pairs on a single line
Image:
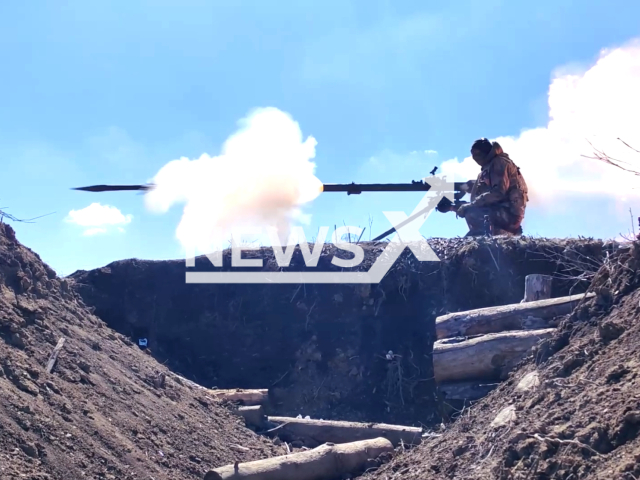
{"points": [[501, 220]]}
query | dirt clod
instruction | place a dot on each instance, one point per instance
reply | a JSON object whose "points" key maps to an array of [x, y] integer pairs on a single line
{"points": [[610, 330], [29, 450]]}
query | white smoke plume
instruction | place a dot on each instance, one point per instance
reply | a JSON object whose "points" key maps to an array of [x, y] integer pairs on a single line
{"points": [[587, 111], [261, 179]]}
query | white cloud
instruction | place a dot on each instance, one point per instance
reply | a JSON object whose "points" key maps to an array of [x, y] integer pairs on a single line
{"points": [[98, 217], [598, 105]]}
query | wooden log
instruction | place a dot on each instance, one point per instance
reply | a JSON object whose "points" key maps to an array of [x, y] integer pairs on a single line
{"points": [[253, 415], [244, 397], [537, 287], [483, 358], [54, 355], [325, 462], [323, 431], [519, 316], [466, 390]]}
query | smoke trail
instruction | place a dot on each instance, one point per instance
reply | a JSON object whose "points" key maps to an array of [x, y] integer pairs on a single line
{"points": [[587, 110], [262, 178]]}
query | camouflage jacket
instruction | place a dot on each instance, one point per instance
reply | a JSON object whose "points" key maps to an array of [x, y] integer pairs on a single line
{"points": [[500, 183]]}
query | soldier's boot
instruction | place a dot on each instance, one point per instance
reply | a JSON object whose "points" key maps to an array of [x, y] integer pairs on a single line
{"points": [[511, 231], [475, 221]]}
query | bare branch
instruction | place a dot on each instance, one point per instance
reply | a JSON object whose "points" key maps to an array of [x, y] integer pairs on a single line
{"points": [[626, 144], [8, 216], [601, 156]]}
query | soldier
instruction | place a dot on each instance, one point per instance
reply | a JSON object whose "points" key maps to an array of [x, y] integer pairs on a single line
{"points": [[500, 192]]}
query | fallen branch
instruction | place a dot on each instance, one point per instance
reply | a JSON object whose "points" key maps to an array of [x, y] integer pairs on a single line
{"points": [[493, 258], [239, 448], [466, 390], [54, 355], [326, 462], [273, 429], [565, 442], [285, 373]]}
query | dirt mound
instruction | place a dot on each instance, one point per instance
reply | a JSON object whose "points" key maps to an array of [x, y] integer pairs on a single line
{"points": [[322, 348], [107, 409], [571, 411]]}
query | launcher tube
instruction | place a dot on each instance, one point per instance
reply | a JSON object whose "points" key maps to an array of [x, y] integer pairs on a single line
{"points": [[358, 188]]}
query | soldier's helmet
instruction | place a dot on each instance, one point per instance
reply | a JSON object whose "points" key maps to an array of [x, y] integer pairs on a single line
{"points": [[483, 145]]}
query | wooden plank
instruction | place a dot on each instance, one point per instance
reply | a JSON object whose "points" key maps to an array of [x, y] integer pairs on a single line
{"points": [[253, 415], [537, 287]]}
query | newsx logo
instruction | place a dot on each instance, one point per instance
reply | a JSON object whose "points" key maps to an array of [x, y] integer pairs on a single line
{"points": [[405, 225]]}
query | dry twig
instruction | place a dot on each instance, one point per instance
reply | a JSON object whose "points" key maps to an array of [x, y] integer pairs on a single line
{"points": [[54, 355], [565, 442], [601, 156], [4, 215]]}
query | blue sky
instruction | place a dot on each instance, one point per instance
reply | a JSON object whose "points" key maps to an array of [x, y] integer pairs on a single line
{"points": [[109, 92]]}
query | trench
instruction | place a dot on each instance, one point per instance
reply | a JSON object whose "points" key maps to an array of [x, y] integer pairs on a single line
{"points": [[345, 352]]}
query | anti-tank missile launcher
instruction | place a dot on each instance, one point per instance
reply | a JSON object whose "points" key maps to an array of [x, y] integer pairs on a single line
{"points": [[459, 190]]}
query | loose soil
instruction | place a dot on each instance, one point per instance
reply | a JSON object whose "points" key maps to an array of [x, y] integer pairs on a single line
{"points": [[108, 410], [572, 409]]}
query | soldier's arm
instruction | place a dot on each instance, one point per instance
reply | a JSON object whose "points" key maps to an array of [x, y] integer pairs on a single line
{"points": [[499, 180]]}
